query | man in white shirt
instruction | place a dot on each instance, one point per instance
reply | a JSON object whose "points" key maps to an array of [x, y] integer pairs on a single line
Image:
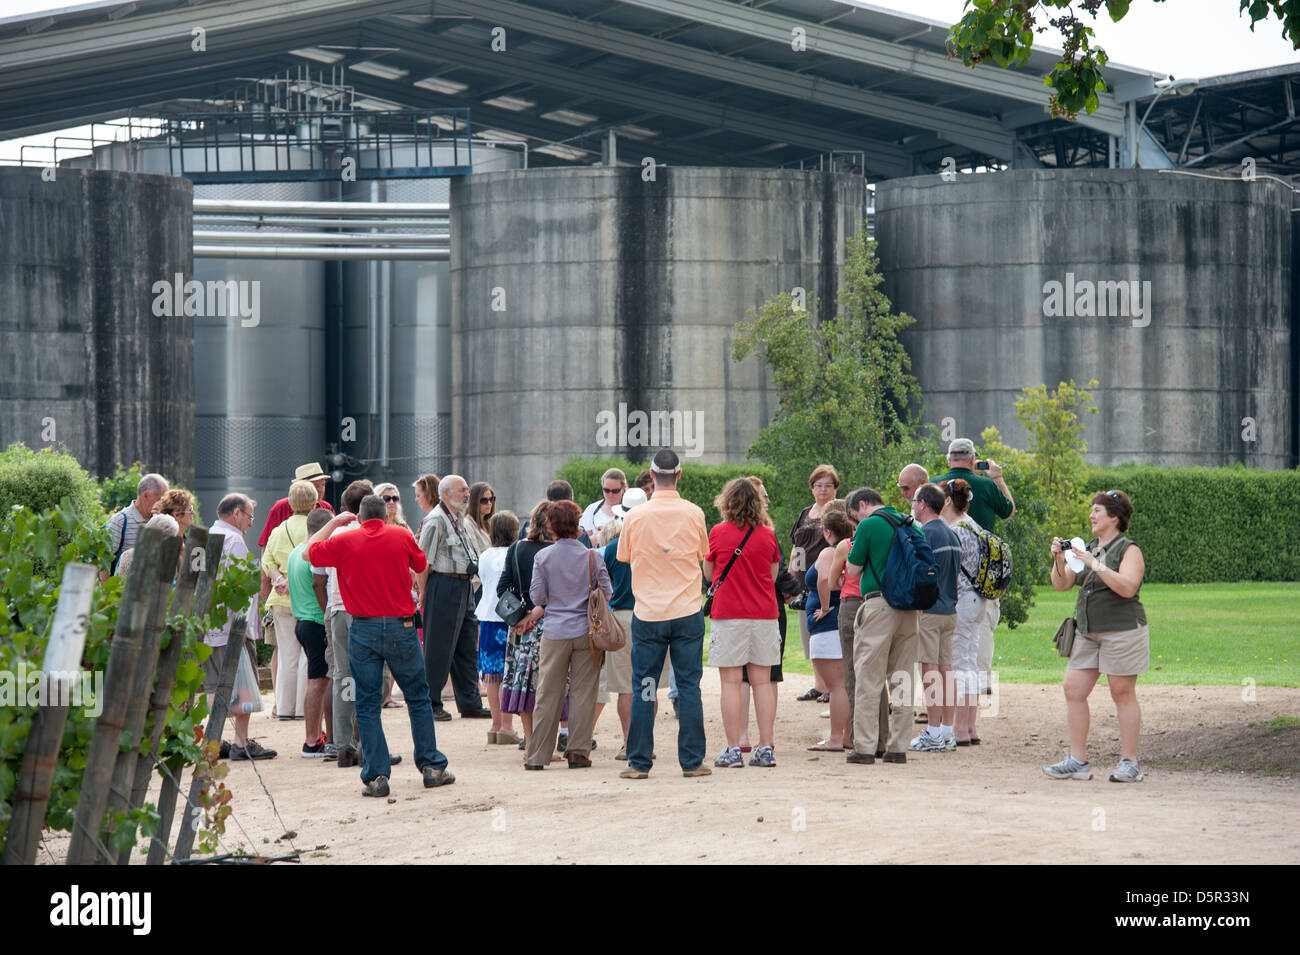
{"points": [[599, 513]]}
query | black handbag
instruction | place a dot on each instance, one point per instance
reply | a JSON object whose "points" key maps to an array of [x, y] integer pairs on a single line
{"points": [[510, 606], [717, 582]]}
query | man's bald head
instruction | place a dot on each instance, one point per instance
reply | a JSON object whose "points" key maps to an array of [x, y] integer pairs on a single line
{"points": [[911, 478]]}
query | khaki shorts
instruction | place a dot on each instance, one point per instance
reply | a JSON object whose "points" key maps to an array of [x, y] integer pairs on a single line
{"points": [[935, 645], [1117, 652], [616, 674], [733, 643]]}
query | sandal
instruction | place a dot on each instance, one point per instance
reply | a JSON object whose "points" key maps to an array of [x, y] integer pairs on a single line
{"points": [[392, 705], [812, 694], [975, 740], [824, 698], [923, 718], [825, 747]]}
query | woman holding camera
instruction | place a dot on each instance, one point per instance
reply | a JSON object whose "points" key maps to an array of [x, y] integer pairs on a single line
{"points": [[1111, 635]]}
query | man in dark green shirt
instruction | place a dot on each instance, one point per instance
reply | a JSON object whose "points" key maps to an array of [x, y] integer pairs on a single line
{"points": [[884, 639], [990, 497]]}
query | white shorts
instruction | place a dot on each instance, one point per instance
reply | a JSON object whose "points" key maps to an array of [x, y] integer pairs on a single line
{"points": [[825, 645]]}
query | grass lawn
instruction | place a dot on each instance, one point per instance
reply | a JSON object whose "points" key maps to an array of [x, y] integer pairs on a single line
{"points": [[1200, 634]]}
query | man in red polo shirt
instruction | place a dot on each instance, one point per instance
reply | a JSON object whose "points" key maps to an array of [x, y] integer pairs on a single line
{"points": [[374, 567]]}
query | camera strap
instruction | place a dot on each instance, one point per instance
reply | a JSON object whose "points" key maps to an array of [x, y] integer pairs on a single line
{"points": [[455, 525]]}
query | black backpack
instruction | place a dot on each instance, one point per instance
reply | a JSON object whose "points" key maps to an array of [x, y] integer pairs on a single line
{"points": [[911, 580]]}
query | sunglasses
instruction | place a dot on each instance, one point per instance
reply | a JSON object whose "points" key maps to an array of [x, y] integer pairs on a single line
{"points": [[487, 500], [391, 498], [611, 490], [1113, 495]]}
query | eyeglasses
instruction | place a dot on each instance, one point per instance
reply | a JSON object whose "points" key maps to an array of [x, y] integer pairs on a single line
{"points": [[487, 500], [824, 486], [391, 498], [611, 490]]}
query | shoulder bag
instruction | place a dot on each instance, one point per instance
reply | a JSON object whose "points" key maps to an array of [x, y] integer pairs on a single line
{"points": [[607, 631], [510, 606], [1064, 638], [717, 582]]}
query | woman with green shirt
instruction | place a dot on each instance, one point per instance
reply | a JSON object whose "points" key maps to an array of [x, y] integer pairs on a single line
{"points": [[1111, 635]]}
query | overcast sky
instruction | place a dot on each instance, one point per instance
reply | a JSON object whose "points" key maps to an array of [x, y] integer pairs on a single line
{"points": [[1197, 38]]}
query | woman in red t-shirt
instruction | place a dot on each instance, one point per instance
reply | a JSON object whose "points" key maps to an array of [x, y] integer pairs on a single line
{"points": [[744, 616]]}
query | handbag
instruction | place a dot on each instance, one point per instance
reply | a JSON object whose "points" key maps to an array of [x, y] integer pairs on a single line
{"points": [[713, 587], [510, 606], [1064, 638], [607, 632]]}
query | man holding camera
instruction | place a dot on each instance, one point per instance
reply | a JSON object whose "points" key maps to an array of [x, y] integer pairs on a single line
{"points": [[447, 587], [990, 497], [990, 500]]}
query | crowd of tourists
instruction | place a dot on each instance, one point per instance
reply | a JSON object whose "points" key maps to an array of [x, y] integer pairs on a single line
{"points": [[473, 603]]}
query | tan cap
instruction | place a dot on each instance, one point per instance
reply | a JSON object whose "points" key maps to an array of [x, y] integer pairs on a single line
{"points": [[961, 446], [309, 472]]}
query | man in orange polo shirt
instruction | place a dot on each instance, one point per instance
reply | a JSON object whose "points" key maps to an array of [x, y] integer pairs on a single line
{"points": [[664, 541]]}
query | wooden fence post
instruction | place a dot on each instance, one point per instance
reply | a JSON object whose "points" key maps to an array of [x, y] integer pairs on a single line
{"points": [[203, 592], [101, 757], [216, 723], [142, 677], [168, 660], [61, 664]]}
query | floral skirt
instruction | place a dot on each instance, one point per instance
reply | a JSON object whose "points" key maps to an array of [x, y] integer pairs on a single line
{"points": [[491, 649], [519, 682]]}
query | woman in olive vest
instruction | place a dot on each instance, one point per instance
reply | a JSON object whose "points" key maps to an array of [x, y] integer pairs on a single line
{"points": [[1111, 635]]}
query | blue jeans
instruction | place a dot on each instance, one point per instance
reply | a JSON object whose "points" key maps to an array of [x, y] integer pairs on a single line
{"points": [[371, 644], [682, 640]]}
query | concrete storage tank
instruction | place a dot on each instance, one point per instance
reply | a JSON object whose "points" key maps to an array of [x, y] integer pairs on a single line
{"points": [[84, 360], [584, 297], [259, 389], [410, 375], [1173, 291]]}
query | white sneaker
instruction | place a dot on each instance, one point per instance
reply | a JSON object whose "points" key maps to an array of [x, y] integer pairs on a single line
{"points": [[1069, 768], [928, 742], [1127, 772]]}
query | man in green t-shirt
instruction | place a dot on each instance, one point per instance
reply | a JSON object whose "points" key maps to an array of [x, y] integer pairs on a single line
{"points": [[307, 600], [884, 639], [990, 497]]}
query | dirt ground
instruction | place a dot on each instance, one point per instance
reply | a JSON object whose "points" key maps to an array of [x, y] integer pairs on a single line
{"points": [[1208, 796]]}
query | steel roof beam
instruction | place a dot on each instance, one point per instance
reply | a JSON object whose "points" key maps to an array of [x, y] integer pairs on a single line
{"points": [[884, 157], [960, 127], [859, 48]]}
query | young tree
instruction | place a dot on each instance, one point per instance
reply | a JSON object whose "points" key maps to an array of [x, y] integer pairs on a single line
{"points": [[847, 395], [1053, 421], [1003, 31]]}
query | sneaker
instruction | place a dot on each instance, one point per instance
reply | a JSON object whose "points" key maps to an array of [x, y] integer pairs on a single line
{"points": [[1127, 772], [700, 770], [437, 777], [313, 750], [763, 756], [376, 787], [562, 743], [331, 751], [950, 743], [929, 743], [253, 750], [1069, 768], [730, 759], [622, 753], [633, 773]]}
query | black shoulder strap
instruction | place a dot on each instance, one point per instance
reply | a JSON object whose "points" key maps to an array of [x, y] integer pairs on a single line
{"points": [[713, 589], [894, 525]]}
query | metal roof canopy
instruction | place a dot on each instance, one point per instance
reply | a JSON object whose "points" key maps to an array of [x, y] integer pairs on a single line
{"points": [[712, 82]]}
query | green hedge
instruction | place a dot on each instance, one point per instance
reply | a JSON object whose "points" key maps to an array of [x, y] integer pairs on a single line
{"points": [[700, 483], [41, 479], [1200, 525]]}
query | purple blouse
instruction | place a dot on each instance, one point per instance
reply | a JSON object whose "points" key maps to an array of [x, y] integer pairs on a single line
{"points": [[561, 584]]}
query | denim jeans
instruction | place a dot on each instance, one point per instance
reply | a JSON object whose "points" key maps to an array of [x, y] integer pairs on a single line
{"points": [[682, 640], [372, 643]]}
